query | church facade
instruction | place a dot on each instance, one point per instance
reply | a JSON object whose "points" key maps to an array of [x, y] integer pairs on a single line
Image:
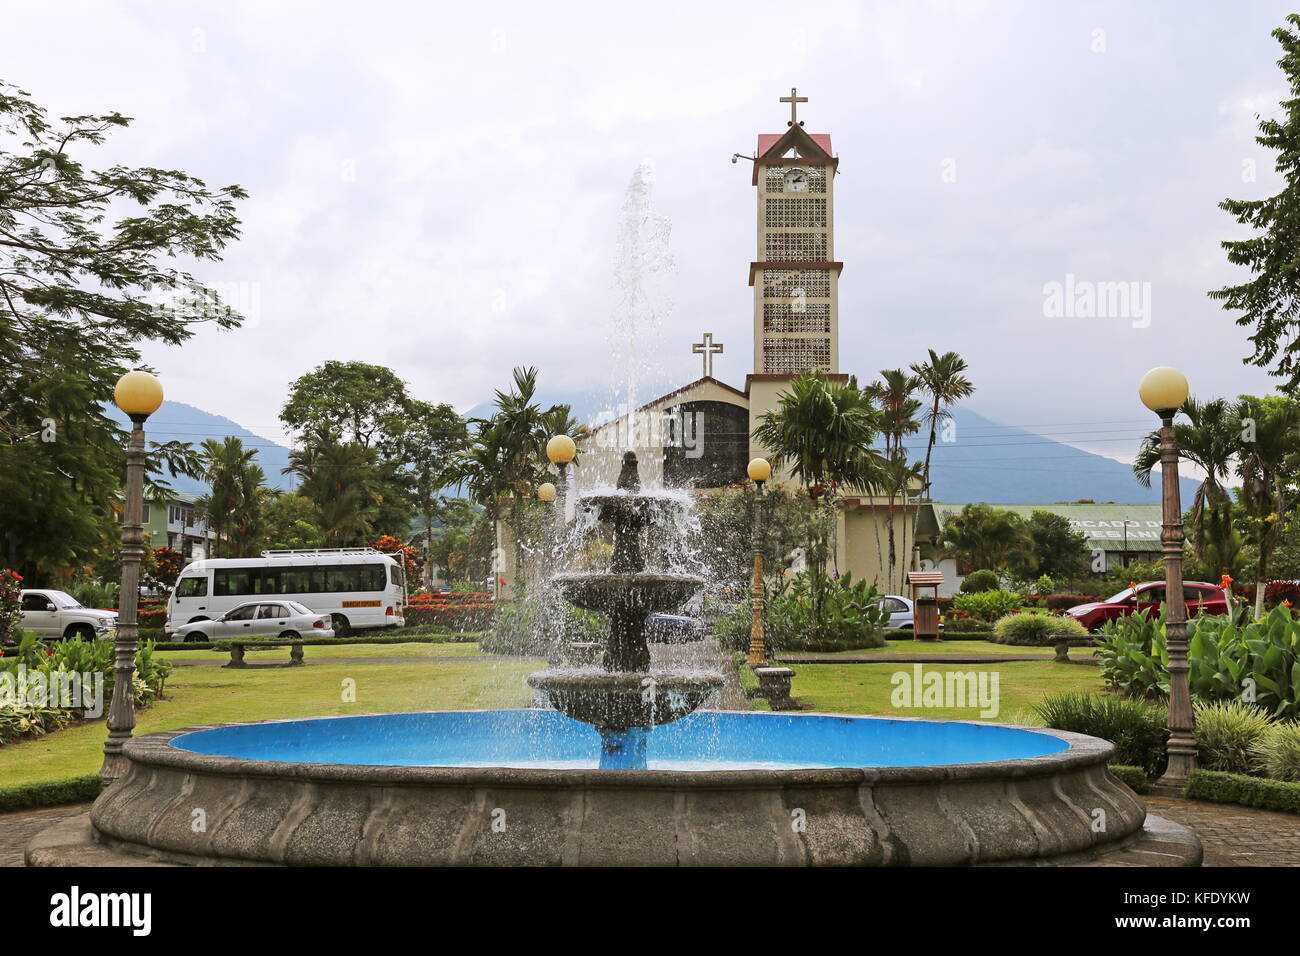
{"points": [[699, 436]]}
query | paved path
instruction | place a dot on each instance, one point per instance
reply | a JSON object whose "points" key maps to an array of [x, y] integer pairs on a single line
{"points": [[16, 829], [1233, 835]]}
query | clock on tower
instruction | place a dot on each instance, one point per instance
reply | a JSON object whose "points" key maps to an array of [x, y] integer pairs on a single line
{"points": [[795, 277]]}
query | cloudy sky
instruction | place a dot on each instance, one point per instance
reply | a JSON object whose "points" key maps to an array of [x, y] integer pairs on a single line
{"points": [[437, 187]]}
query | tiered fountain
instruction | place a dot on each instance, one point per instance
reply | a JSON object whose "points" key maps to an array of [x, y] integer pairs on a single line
{"points": [[624, 699]]}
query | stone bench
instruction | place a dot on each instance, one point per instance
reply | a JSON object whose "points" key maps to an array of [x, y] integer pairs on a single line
{"points": [[237, 653], [774, 684]]}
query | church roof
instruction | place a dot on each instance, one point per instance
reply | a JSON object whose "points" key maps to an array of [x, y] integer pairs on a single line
{"points": [[767, 140], [662, 399]]}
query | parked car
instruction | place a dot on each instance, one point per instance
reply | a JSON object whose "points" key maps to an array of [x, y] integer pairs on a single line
{"points": [[286, 619], [901, 612], [673, 629], [1146, 598], [55, 614]]}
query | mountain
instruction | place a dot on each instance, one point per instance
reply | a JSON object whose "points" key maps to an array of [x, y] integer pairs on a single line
{"points": [[986, 461], [176, 421], [1003, 464]]}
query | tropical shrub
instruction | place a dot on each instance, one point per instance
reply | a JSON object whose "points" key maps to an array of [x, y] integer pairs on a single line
{"points": [[532, 626], [11, 607], [96, 595], [1230, 659], [852, 615], [1060, 602], [1227, 732], [1037, 629], [987, 605], [1137, 729], [70, 655], [982, 580], [1277, 752]]}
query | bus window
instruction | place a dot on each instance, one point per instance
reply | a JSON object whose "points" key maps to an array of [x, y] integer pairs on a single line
{"points": [[231, 581], [192, 587], [295, 581]]}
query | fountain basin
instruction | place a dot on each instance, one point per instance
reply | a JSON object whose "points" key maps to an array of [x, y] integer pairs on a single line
{"points": [[636, 593], [615, 701], [516, 788]]}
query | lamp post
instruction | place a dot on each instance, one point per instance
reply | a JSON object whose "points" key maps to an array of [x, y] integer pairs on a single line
{"points": [[138, 394], [560, 450], [759, 471], [1163, 390]]}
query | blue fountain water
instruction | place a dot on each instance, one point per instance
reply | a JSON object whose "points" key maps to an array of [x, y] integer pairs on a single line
{"points": [[547, 739]]}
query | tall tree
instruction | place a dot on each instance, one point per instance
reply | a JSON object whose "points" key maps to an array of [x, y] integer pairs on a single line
{"points": [[338, 477], [1268, 463], [1209, 439], [84, 280], [362, 403], [988, 538], [430, 439], [1270, 300], [233, 503], [895, 390], [822, 432], [943, 378]]}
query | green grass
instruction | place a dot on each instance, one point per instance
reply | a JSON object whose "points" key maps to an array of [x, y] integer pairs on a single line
{"points": [[211, 695], [324, 652], [866, 688], [952, 647]]}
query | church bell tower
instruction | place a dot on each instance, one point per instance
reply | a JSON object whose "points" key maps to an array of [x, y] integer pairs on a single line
{"points": [[795, 275]]}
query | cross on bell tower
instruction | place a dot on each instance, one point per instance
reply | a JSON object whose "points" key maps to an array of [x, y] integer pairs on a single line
{"points": [[707, 349], [794, 99]]}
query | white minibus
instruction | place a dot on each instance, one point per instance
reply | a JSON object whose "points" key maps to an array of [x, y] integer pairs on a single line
{"points": [[358, 588]]}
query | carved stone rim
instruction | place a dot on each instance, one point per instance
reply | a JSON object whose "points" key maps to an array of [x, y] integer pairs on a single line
{"points": [[1083, 751]]}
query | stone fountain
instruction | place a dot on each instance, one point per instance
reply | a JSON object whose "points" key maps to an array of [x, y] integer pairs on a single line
{"points": [[625, 697]]}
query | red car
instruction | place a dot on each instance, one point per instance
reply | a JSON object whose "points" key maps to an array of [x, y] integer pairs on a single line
{"points": [[1146, 598]]}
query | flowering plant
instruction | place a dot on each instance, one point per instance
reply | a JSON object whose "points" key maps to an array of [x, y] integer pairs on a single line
{"points": [[11, 605]]}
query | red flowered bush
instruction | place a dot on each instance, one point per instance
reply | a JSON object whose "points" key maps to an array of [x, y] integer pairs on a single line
{"points": [[11, 605], [463, 611]]}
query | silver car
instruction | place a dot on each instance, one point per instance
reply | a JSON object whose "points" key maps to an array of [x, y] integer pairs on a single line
{"points": [[285, 619], [901, 612]]}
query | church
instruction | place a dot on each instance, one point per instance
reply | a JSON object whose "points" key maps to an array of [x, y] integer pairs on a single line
{"points": [[699, 436]]}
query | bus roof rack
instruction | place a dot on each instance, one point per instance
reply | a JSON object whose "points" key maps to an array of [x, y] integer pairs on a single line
{"points": [[292, 552]]}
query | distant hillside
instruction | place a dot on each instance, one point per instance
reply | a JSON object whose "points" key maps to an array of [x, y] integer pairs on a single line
{"points": [[987, 461], [1002, 464], [179, 422]]}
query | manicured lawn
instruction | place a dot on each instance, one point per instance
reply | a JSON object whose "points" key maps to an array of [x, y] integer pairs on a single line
{"points": [[866, 688], [910, 646], [211, 695], [324, 651]]}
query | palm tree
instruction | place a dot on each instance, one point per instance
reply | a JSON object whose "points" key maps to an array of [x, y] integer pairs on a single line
{"points": [[1268, 467], [943, 378], [506, 457], [1210, 439], [822, 432], [986, 537], [895, 390], [235, 489], [339, 478]]}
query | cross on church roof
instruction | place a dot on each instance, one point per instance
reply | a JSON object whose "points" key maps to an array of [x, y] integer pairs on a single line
{"points": [[707, 349], [794, 99]]}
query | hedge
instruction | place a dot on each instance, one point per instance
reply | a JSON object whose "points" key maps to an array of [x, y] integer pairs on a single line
{"points": [[28, 796], [946, 635], [1219, 787], [1134, 777]]}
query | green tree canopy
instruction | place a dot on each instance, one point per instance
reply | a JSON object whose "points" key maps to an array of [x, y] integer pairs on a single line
{"points": [[86, 276]]}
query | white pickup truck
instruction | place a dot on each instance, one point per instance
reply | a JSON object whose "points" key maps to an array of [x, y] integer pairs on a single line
{"points": [[55, 614]]}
